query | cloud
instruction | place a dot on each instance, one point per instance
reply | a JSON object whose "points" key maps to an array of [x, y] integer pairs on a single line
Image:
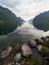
{"points": [[27, 9], [10, 3]]}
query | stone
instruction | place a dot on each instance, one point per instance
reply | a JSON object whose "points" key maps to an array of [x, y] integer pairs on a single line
{"points": [[17, 57], [9, 49], [17, 63], [39, 41], [43, 38], [33, 43], [6, 52], [26, 50], [39, 47]]}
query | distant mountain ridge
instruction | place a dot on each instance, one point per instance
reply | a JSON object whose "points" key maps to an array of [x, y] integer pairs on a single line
{"points": [[20, 20], [41, 21], [8, 21]]}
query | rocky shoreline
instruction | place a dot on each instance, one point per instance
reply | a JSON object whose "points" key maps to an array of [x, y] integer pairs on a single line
{"points": [[34, 52]]}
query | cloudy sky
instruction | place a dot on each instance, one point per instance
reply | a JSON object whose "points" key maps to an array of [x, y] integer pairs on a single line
{"points": [[27, 9]]}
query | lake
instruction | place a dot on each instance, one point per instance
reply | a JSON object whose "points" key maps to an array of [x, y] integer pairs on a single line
{"points": [[23, 33]]}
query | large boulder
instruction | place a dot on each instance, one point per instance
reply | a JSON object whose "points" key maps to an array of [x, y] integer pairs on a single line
{"points": [[26, 50], [17, 57], [33, 43], [6, 52]]}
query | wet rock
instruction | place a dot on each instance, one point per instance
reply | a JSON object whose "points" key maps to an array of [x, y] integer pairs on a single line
{"points": [[45, 61], [32, 43], [6, 52], [17, 63], [9, 49], [39, 41], [17, 57], [26, 50], [47, 36], [39, 47], [43, 38]]}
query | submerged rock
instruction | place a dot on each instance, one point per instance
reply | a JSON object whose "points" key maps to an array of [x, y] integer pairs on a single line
{"points": [[26, 50]]}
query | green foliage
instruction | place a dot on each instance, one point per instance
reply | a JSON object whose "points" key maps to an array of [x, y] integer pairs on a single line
{"points": [[43, 51], [32, 61], [47, 43], [8, 21], [41, 21]]}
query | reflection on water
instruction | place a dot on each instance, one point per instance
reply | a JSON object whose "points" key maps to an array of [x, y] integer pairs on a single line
{"points": [[23, 33]]}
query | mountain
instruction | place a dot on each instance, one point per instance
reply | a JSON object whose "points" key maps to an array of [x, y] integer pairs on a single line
{"points": [[8, 21], [41, 21], [20, 20]]}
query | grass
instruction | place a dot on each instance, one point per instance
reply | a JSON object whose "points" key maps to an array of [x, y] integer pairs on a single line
{"points": [[31, 61], [43, 51], [47, 43]]}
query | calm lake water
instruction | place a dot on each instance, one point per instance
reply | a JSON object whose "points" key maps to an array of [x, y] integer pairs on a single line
{"points": [[23, 33]]}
